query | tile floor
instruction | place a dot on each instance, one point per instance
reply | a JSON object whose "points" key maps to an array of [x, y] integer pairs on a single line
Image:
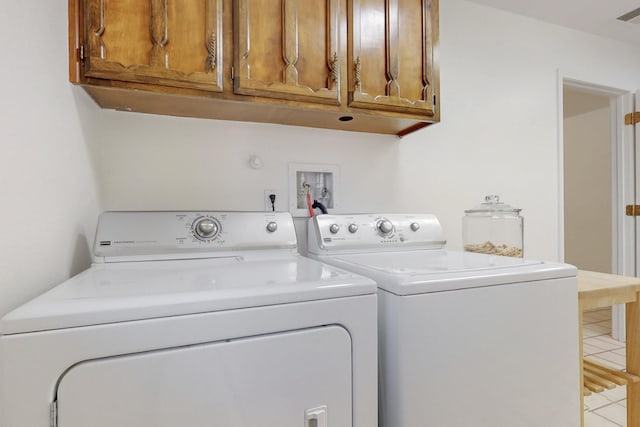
{"points": [[606, 409]]}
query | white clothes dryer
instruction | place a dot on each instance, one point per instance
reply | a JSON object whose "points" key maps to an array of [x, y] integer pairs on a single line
{"points": [[194, 319], [465, 339]]}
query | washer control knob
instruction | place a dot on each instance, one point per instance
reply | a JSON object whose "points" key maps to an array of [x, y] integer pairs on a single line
{"points": [[415, 226], [384, 226], [353, 228], [206, 228], [272, 227], [334, 228]]}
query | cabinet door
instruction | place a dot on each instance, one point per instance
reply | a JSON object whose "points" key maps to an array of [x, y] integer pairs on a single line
{"points": [[392, 65], [166, 42], [287, 49]]}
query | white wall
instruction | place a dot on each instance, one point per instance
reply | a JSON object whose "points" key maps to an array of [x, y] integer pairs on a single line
{"points": [[498, 134], [587, 196], [154, 162], [500, 117], [48, 191]]}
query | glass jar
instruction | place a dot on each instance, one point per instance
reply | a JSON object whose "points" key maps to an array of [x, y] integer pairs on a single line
{"points": [[493, 228]]}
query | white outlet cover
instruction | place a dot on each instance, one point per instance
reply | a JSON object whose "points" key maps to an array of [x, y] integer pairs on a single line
{"points": [[323, 182]]}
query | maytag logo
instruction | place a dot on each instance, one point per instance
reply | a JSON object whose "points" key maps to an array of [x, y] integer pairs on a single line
{"points": [[105, 243]]}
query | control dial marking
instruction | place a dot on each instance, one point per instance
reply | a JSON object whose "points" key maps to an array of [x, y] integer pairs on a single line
{"points": [[205, 228], [384, 226]]}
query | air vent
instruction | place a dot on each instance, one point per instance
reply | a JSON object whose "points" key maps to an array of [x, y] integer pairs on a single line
{"points": [[632, 17]]}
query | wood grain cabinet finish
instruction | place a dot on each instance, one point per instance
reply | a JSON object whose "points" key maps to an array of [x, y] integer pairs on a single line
{"points": [[287, 49], [356, 65], [166, 42], [392, 64]]}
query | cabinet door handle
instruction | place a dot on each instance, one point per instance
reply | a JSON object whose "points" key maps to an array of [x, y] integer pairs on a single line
{"points": [[357, 70], [334, 74], [212, 48]]}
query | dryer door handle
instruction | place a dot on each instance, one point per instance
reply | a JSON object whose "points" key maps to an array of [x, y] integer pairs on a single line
{"points": [[316, 417]]}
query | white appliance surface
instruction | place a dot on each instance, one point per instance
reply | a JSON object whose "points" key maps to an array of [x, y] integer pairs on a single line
{"points": [[199, 396], [125, 291], [415, 272], [464, 338], [185, 317]]}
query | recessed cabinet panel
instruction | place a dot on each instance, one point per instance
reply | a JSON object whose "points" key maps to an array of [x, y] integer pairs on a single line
{"points": [[369, 47], [288, 49], [392, 66], [127, 44], [166, 42], [411, 80]]}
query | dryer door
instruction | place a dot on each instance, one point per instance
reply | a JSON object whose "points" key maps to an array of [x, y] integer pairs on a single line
{"points": [[291, 379]]}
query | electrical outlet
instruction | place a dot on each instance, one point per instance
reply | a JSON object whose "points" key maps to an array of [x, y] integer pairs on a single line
{"points": [[268, 206]]}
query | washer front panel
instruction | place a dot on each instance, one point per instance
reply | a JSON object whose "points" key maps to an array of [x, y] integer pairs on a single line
{"points": [[509, 352]]}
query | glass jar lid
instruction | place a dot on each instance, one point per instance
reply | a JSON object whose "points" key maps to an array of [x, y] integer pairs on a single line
{"points": [[493, 206]]}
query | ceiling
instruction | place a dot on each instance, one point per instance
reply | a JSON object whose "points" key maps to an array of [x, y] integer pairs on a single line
{"points": [[577, 102], [591, 16]]}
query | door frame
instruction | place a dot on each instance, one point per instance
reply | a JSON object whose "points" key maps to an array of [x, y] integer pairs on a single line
{"points": [[623, 233], [622, 182]]}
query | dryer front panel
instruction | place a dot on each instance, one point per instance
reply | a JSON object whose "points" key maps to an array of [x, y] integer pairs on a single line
{"points": [[291, 379]]}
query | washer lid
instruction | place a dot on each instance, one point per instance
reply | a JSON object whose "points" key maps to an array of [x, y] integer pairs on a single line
{"points": [[424, 271], [107, 293]]}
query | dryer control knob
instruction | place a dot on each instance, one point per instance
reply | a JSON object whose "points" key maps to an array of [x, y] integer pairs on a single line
{"points": [[272, 227], [334, 228], [384, 226], [415, 226], [353, 228], [206, 228]]}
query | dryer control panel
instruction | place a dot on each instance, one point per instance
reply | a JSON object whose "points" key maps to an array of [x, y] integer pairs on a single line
{"points": [[374, 232], [190, 234]]}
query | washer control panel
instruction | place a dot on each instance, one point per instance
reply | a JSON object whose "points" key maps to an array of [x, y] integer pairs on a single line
{"points": [[164, 233], [376, 232]]}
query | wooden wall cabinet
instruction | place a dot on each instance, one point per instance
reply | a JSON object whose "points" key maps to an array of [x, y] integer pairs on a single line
{"points": [[393, 59], [359, 65], [172, 43], [288, 49]]}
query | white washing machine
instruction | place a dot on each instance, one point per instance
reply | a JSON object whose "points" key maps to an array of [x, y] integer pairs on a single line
{"points": [[465, 339], [194, 319]]}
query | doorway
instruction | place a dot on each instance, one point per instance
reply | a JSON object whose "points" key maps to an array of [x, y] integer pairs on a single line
{"points": [[589, 180], [599, 177]]}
